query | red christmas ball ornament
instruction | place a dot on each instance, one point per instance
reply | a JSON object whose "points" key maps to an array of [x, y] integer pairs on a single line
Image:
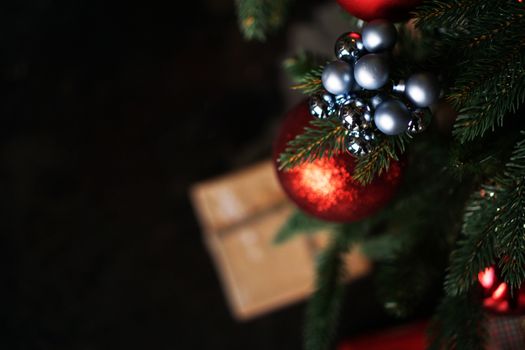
{"points": [[325, 187], [392, 10], [497, 296]]}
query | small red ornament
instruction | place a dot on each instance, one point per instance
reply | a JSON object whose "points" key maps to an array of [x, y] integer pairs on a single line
{"points": [[392, 10], [325, 188], [497, 296]]}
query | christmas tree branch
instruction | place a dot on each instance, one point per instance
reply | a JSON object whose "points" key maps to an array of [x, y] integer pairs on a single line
{"points": [[494, 230], [499, 89], [510, 229], [301, 223], [310, 82], [259, 17], [443, 13], [475, 251], [323, 138], [458, 324], [488, 79], [324, 306], [301, 65], [378, 161]]}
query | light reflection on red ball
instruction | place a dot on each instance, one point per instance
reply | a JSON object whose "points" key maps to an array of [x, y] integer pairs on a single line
{"points": [[325, 187]]}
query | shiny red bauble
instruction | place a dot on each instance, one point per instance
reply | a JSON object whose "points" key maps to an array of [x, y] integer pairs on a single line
{"points": [[392, 10], [497, 296], [325, 187]]}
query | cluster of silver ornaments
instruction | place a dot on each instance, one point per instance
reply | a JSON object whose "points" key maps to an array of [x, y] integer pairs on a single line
{"points": [[362, 67]]}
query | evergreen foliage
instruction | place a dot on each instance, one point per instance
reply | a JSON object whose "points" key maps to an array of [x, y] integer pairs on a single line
{"points": [[310, 82], [484, 44], [459, 323], [257, 18], [324, 305], [462, 205], [300, 223], [324, 137]]}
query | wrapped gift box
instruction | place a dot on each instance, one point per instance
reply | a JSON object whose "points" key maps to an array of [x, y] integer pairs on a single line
{"points": [[240, 215]]}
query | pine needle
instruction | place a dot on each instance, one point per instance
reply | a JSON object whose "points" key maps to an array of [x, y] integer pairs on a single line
{"points": [[324, 137]]}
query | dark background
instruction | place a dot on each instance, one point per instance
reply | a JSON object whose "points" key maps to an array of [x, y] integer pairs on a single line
{"points": [[110, 111]]}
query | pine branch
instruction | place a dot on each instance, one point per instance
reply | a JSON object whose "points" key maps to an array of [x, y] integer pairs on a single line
{"points": [[488, 79], [301, 65], [310, 82], [490, 91], [324, 306], [510, 236], [259, 17], [494, 230], [510, 219], [445, 13], [301, 223], [458, 324], [422, 221], [457, 17], [475, 251], [378, 161], [322, 138], [382, 248]]}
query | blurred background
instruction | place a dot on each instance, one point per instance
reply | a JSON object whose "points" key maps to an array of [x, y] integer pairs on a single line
{"points": [[110, 112]]}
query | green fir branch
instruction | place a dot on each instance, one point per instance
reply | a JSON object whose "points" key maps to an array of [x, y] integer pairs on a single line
{"points": [[475, 251], [301, 223], [324, 307], [488, 78], [443, 13], [378, 161], [510, 220], [324, 137], [488, 92], [493, 230], [310, 82], [459, 323], [257, 18], [302, 64], [510, 236]]}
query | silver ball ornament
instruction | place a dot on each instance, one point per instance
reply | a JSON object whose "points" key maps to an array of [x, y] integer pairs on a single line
{"points": [[349, 47], [371, 71], [322, 105], [420, 121], [379, 35], [343, 99], [358, 146], [422, 89], [337, 77], [356, 115], [392, 117]]}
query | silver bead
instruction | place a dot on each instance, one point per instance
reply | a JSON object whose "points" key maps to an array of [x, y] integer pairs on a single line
{"points": [[338, 77], [322, 105], [420, 120], [343, 99], [356, 115], [367, 134], [349, 47], [376, 100], [371, 71], [358, 146], [392, 117], [422, 89], [379, 35]]}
